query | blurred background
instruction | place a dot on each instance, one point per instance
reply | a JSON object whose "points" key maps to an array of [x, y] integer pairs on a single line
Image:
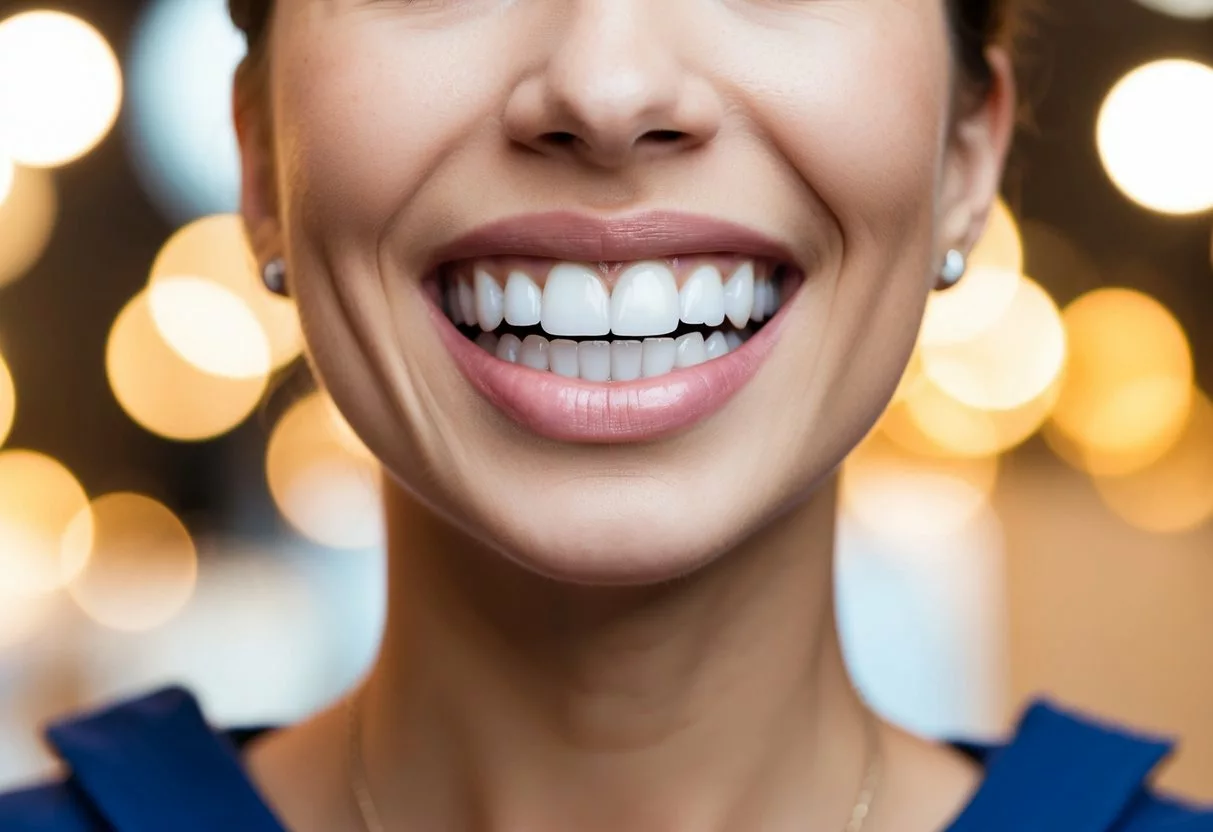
{"points": [[1033, 515]]}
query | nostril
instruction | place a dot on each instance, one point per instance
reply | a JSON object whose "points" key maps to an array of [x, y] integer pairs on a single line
{"points": [[560, 139], [665, 136]]}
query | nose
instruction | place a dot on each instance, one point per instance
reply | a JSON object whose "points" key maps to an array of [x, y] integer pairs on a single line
{"points": [[613, 88]]}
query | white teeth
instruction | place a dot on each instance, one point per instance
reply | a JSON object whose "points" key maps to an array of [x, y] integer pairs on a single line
{"points": [[452, 303], [739, 295], [534, 352], [487, 341], [627, 359], [594, 360], [562, 356], [689, 350], [645, 301], [766, 300], [773, 299], [467, 301], [523, 300], [508, 348], [575, 302], [761, 290], [490, 301], [702, 297], [657, 357], [716, 346]]}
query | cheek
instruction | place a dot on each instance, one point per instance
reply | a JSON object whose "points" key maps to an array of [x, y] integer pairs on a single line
{"points": [[366, 116], [857, 109]]}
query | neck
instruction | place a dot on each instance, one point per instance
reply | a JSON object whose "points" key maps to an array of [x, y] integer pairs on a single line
{"points": [[505, 701]]}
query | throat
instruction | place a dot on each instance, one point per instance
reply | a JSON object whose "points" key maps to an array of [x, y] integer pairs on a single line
{"points": [[719, 701]]}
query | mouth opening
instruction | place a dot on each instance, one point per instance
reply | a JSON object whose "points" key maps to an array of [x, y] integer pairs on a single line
{"points": [[656, 317]]}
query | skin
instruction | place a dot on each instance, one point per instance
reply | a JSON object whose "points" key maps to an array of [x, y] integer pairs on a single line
{"points": [[633, 636]]}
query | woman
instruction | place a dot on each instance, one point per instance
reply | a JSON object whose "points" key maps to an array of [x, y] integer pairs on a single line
{"points": [[610, 287]]}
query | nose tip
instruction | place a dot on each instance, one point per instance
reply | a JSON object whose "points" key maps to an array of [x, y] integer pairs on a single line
{"points": [[612, 92], [610, 129]]}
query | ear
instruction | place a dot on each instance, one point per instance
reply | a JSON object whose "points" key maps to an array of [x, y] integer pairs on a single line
{"points": [[975, 159], [258, 179]]}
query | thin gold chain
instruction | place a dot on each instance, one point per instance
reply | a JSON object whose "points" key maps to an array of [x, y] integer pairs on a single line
{"points": [[371, 821]]}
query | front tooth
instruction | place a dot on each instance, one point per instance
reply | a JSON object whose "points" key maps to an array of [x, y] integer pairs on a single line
{"points": [[739, 295], [490, 301], [523, 300], [508, 348], [467, 300], [575, 302], [487, 341], [562, 355], [702, 297], [733, 340], [627, 359], [657, 357], [716, 345], [534, 352], [594, 360], [452, 302], [689, 350], [644, 301]]}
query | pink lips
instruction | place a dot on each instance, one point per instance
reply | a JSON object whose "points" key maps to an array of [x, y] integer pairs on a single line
{"points": [[572, 410]]}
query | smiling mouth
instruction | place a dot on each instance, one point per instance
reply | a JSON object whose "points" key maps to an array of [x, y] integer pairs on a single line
{"points": [[613, 321]]}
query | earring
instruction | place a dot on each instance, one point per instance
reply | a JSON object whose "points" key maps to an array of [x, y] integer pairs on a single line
{"points": [[954, 267], [273, 275]]}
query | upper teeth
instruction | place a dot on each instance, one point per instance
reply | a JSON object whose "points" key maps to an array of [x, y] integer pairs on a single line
{"points": [[572, 300]]}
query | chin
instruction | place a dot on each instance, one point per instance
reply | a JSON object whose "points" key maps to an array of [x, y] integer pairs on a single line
{"points": [[616, 535]]}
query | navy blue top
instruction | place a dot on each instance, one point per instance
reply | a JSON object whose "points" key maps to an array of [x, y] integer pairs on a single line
{"points": [[153, 764]]}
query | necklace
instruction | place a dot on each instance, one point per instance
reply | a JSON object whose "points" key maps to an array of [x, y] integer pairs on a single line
{"points": [[371, 821]]}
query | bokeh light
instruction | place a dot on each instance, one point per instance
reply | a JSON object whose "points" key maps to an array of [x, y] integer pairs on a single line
{"points": [[1128, 382], [1010, 363], [39, 497], [1187, 9], [1154, 134], [7, 172], [329, 493], [183, 148], [162, 391], [27, 219], [215, 248], [138, 563], [927, 421], [988, 288], [8, 401], [209, 326], [60, 88], [898, 495], [1001, 243], [1175, 492], [23, 617]]}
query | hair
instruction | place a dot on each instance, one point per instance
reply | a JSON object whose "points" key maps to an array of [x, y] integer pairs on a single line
{"points": [[976, 25]]}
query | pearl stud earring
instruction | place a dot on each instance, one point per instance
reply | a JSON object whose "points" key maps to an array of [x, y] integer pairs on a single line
{"points": [[954, 267], [273, 275]]}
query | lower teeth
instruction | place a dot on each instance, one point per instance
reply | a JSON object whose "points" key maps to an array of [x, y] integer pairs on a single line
{"points": [[623, 360]]}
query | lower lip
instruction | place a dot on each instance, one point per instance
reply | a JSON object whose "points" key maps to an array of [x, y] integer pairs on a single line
{"points": [[571, 410]]}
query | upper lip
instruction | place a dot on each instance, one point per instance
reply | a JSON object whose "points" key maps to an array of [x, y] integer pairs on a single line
{"points": [[565, 235]]}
